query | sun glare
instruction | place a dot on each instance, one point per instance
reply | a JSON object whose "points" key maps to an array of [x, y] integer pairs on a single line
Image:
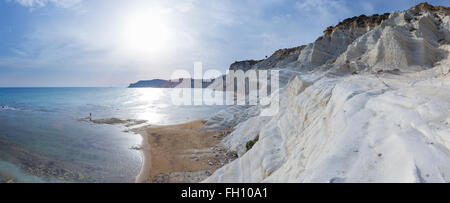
{"points": [[146, 33]]}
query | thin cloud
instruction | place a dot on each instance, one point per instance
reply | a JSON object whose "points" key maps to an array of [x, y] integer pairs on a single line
{"points": [[215, 32], [323, 12], [42, 3], [368, 7], [19, 52]]}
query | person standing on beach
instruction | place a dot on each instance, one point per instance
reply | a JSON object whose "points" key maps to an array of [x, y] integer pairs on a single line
{"points": [[90, 116]]}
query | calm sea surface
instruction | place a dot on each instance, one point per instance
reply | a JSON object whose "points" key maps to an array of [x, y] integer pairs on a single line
{"points": [[42, 138]]}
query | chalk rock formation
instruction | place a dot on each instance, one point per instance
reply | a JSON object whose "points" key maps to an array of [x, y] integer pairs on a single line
{"points": [[367, 102]]}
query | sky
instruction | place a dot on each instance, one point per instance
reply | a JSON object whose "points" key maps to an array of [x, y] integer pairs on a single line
{"points": [[79, 43]]}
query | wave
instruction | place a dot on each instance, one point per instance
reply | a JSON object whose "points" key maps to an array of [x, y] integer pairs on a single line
{"points": [[4, 108]]}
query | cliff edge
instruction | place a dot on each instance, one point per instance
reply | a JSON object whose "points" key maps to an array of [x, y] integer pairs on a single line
{"points": [[369, 101]]}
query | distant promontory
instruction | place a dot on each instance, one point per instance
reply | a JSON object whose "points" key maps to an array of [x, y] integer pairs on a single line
{"points": [[159, 83]]}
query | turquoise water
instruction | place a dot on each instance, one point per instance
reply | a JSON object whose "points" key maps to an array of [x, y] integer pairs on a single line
{"points": [[42, 138]]}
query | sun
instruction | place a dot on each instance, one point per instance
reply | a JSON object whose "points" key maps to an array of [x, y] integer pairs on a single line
{"points": [[146, 32]]}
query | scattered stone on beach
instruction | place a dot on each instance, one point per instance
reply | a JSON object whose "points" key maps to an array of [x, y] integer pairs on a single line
{"points": [[8, 180], [179, 153], [207, 173], [161, 178], [231, 154], [136, 147]]}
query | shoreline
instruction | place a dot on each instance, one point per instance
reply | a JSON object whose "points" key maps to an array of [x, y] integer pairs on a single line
{"points": [[180, 153], [146, 159]]}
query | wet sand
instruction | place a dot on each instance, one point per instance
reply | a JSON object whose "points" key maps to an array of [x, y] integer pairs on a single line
{"points": [[181, 153]]}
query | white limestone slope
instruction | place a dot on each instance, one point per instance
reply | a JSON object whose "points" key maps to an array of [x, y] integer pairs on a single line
{"points": [[396, 44], [377, 112]]}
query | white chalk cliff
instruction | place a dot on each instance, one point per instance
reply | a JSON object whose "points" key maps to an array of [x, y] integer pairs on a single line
{"points": [[367, 102]]}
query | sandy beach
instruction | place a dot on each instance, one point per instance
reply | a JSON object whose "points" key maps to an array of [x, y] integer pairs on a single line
{"points": [[181, 153]]}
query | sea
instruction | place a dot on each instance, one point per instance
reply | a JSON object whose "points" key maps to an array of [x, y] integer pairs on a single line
{"points": [[46, 136]]}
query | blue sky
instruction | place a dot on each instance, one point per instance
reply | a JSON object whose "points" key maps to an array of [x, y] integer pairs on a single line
{"points": [[116, 42]]}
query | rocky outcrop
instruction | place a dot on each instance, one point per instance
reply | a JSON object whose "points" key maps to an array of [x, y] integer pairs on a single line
{"points": [[279, 58], [368, 102], [158, 83], [336, 39], [406, 42], [243, 65], [423, 7], [362, 21]]}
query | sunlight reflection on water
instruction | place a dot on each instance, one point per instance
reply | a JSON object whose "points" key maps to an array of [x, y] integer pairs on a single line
{"points": [[45, 123]]}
